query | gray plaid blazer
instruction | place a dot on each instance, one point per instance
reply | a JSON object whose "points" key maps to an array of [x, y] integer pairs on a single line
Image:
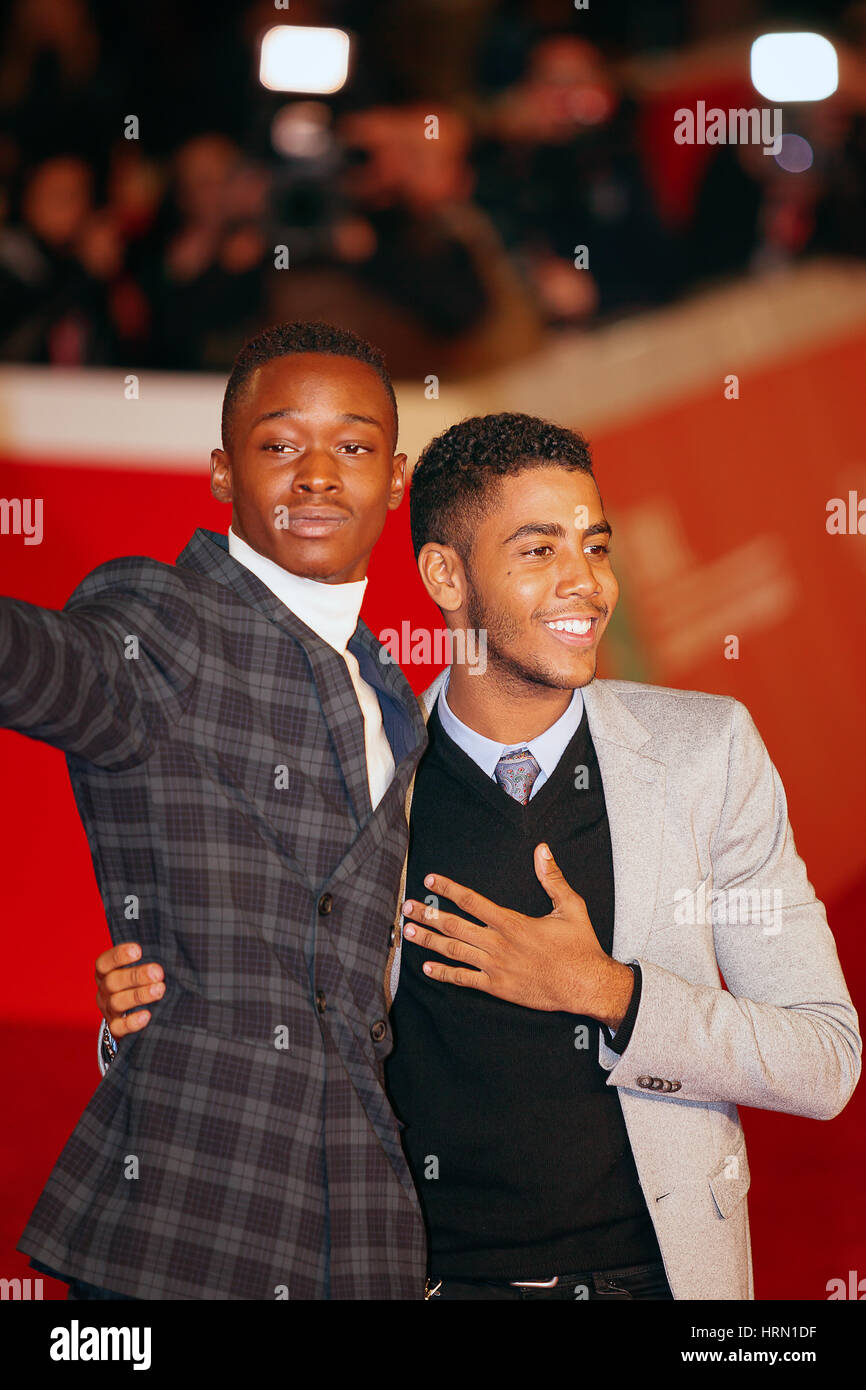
{"points": [[242, 1147]]}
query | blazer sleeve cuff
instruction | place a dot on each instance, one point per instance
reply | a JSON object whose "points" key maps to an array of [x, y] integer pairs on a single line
{"points": [[619, 1041]]}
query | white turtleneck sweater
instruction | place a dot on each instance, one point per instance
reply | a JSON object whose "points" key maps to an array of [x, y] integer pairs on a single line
{"points": [[331, 611]]}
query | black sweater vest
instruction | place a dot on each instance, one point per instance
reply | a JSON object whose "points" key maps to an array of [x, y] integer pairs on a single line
{"points": [[518, 1148]]}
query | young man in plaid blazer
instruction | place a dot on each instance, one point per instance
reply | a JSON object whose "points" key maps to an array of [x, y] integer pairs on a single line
{"points": [[241, 779]]}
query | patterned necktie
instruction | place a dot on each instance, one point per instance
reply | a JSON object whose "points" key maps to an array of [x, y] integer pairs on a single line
{"points": [[516, 773]]}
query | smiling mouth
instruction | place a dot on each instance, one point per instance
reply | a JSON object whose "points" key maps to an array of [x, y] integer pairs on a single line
{"points": [[575, 632], [313, 523]]}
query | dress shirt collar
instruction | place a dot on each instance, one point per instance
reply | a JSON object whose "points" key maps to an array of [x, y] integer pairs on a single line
{"points": [[547, 748], [331, 610]]}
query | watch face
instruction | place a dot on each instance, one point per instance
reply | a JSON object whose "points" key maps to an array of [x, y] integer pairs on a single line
{"points": [[109, 1046]]}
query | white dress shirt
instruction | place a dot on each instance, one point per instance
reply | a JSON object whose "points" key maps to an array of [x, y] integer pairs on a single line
{"points": [[331, 611]]}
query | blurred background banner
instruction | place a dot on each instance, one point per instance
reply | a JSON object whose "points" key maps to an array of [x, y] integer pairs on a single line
{"points": [[592, 214]]}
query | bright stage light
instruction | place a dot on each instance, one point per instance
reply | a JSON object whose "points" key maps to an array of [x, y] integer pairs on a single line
{"points": [[299, 59], [794, 67]]}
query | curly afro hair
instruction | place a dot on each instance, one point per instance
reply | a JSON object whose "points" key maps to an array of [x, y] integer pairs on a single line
{"points": [[284, 339], [457, 476]]}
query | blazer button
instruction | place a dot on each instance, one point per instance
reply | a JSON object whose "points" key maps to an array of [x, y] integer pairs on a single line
{"points": [[326, 902], [378, 1030], [321, 1002], [676, 1085], [646, 1082]]}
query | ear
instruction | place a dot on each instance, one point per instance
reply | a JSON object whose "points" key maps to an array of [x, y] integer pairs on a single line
{"points": [[398, 482], [221, 475], [443, 576]]}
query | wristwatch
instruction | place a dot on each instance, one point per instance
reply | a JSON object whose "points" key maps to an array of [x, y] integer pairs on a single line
{"points": [[107, 1049]]}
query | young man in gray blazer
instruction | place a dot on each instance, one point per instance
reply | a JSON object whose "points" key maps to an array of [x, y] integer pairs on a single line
{"points": [[568, 1079]]}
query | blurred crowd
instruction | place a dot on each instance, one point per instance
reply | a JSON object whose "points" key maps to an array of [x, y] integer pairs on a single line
{"points": [[472, 188]]}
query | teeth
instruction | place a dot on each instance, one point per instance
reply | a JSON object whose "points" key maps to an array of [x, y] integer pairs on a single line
{"points": [[578, 626]]}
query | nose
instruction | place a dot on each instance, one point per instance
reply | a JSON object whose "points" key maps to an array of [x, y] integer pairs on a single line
{"points": [[316, 472], [577, 576]]}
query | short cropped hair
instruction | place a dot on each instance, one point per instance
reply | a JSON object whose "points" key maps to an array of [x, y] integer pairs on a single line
{"points": [[284, 339], [457, 476]]}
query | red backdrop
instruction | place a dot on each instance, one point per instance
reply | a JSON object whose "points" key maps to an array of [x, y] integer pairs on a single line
{"points": [[719, 509]]}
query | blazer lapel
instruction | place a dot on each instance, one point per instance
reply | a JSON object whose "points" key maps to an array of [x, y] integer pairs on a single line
{"points": [[207, 553], [401, 712], [428, 697], [634, 793], [426, 701]]}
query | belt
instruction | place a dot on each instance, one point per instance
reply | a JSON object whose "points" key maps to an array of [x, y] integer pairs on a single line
{"points": [[432, 1290]]}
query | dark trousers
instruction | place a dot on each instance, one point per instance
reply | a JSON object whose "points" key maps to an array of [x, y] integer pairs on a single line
{"points": [[603, 1286], [594, 1286], [79, 1291]]}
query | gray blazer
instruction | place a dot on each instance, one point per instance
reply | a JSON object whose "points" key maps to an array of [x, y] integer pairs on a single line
{"points": [[708, 883]]}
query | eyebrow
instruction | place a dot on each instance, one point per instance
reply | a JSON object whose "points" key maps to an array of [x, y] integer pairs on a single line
{"points": [[553, 528], [347, 419]]}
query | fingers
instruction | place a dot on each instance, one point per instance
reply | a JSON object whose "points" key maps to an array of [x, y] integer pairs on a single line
{"points": [[138, 976], [449, 975], [470, 901], [112, 1005], [447, 923], [124, 986], [123, 954], [445, 945], [133, 1023]]}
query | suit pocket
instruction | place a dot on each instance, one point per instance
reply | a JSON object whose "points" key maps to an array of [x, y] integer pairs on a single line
{"points": [[171, 1035], [245, 1024], [729, 1180], [685, 907]]}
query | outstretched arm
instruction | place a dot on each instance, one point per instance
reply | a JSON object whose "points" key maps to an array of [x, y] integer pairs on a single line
{"points": [[104, 676]]}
